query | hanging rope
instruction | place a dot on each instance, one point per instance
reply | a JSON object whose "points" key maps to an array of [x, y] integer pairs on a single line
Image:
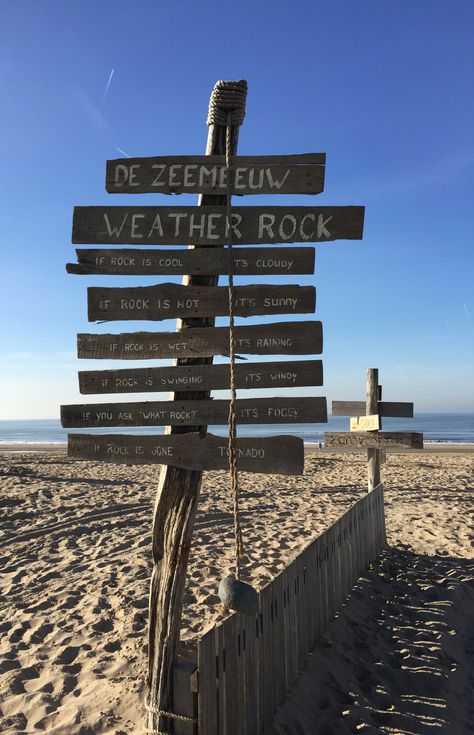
{"points": [[170, 715], [234, 478]]}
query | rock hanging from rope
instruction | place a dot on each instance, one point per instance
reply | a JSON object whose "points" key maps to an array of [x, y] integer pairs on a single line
{"points": [[237, 595]]}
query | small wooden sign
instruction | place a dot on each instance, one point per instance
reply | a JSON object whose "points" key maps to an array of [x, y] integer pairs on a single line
{"points": [[365, 423], [200, 175], [345, 441], [281, 455], [171, 300], [291, 374], [283, 338], [206, 225], [280, 410], [195, 261], [385, 408]]}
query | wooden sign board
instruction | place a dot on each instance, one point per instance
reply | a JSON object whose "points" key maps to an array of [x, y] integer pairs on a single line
{"points": [[385, 408], [345, 441], [280, 410], [365, 423], [284, 338], [173, 300], [195, 261], [280, 455], [206, 225], [291, 374], [198, 175]]}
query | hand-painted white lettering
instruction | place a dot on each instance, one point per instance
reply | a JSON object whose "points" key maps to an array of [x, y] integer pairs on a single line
{"points": [[114, 230], [135, 226], [275, 183], [286, 412], [117, 449], [303, 232], [126, 304], [121, 174], [287, 227], [265, 224], [132, 175], [121, 260], [189, 179], [161, 169], [238, 176], [162, 451], [156, 227], [322, 230], [280, 302]]}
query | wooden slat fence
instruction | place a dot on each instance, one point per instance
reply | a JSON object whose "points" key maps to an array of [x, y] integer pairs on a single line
{"points": [[247, 664]]}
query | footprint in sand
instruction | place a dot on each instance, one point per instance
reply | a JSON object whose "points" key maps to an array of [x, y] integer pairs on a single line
{"points": [[67, 655]]}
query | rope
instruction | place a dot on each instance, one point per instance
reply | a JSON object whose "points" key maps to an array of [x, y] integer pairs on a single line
{"points": [[234, 478], [227, 98], [164, 713]]}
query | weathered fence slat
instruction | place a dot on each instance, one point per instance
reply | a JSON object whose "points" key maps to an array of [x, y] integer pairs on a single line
{"points": [[259, 658]]}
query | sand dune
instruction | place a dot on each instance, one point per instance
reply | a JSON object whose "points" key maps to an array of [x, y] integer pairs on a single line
{"points": [[75, 560]]}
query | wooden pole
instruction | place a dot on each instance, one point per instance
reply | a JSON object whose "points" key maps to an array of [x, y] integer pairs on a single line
{"points": [[176, 501], [373, 458]]}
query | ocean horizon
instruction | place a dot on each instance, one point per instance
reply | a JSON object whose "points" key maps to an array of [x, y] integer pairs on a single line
{"points": [[438, 428]]}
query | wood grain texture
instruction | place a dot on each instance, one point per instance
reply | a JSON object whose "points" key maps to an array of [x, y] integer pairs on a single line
{"points": [[295, 373], [279, 410], [384, 408], [205, 261], [371, 405], [283, 338], [171, 300], [206, 225], [197, 175], [345, 441], [269, 455]]}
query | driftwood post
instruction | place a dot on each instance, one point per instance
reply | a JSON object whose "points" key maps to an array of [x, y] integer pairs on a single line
{"points": [[178, 490], [373, 455]]}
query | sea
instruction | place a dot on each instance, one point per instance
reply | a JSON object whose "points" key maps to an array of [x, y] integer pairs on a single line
{"points": [[438, 428]]}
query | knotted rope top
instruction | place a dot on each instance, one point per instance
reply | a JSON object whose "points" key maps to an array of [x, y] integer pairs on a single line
{"points": [[227, 97]]}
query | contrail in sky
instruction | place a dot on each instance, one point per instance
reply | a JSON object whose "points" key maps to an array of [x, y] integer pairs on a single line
{"points": [[121, 151], [107, 86]]}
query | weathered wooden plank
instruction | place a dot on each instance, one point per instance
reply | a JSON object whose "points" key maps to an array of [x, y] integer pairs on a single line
{"points": [[185, 700], [384, 408], [279, 410], [170, 300], [365, 423], [197, 175], [206, 225], [232, 709], [295, 373], [284, 338], [207, 694], [340, 441], [250, 698], [205, 261], [281, 455]]}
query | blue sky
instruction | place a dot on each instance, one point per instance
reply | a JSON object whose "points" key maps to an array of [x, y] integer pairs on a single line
{"points": [[385, 89]]}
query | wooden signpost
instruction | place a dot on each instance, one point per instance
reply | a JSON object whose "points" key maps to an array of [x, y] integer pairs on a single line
{"points": [[171, 300], [276, 454], [279, 410], [207, 225], [147, 262], [284, 338], [294, 374], [210, 231], [364, 432], [210, 175]]}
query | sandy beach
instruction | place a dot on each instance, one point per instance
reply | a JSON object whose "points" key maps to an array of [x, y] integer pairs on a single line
{"points": [[75, 553]]}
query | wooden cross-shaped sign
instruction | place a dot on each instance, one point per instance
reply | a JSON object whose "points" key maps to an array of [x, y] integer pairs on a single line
{"points": [[364, 433]]}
